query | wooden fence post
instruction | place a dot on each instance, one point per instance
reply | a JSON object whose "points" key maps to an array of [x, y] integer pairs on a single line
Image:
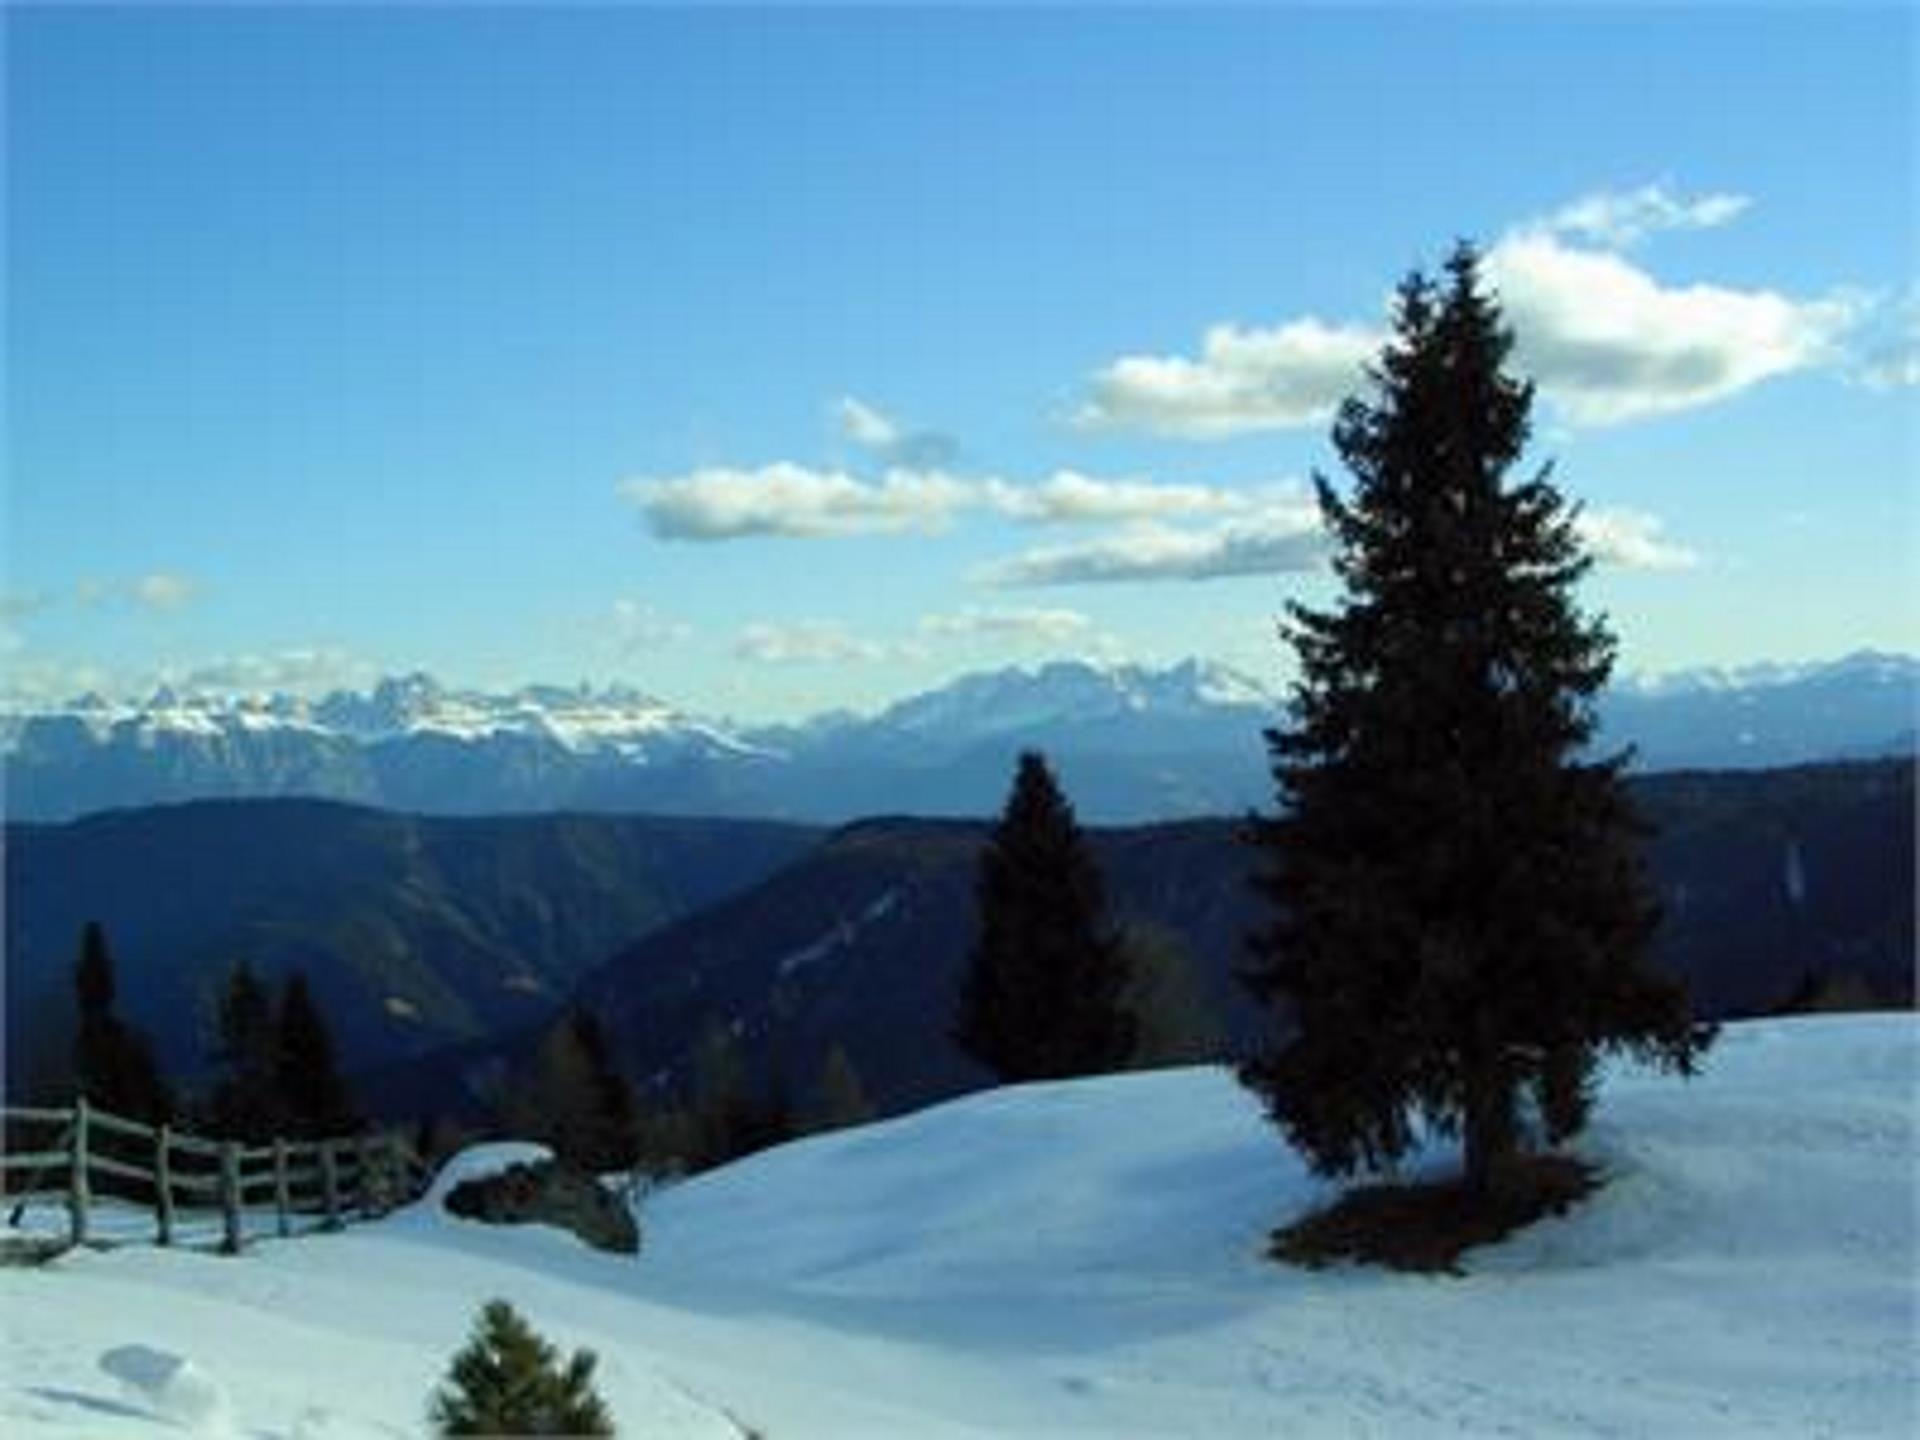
{"points": [[363, 1152], [330, 1183], [230, 1196], [163, 1183], [281, 1201], [78, 1192], [389, 1172]]}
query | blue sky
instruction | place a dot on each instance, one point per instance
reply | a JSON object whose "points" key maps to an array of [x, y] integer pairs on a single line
{"points": [[779, 361]]}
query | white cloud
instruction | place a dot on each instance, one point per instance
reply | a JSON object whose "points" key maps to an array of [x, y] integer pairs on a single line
{"points": [[1019, 624], [156, 590], [1280, 541], [162, 590], [17, 605], [1067, 497], [865, 426], [796, 502], [881, 435], [784, 499], [1889, 355], [307, 670], [1605, 339], [1608, 343], [33, 682], [1245, 379], [1633, 540], [1622, 218], [634, 625], [811, 642], [297, 670]]}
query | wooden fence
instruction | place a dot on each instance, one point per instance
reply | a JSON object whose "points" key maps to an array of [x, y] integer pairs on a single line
{"points": [[322, 1184]]}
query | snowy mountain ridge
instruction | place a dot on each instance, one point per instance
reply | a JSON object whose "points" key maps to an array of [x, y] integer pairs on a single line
{"points": [[583, 717], [1872, 667], [579, 718], [1139, 742]]}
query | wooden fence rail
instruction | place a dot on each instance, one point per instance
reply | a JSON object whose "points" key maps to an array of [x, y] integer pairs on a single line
{"points": [[333, 1179]]}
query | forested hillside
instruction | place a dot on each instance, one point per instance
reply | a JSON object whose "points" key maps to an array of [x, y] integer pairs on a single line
{"points": [[1767, 877], [414, 931]]}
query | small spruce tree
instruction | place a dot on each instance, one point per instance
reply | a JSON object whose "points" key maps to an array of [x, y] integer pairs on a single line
{"points": [[838, 1099], [313, 1098], [575, 1100], [244, 1105], [509, 1381], [731, 1116], [1175, 1020], [113, 1064], [1042, 994], [1461, 917]]}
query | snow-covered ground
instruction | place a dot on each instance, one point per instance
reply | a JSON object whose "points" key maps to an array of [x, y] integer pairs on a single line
{"points": [[1084, 1259]]}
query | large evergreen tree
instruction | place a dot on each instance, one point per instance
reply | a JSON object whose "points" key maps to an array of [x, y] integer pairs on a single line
{"points": [[312, 1096], [1461, 915], [113, 1064], [1042, 996]]}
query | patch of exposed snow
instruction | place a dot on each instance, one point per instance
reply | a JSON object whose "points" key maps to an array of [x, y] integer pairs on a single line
{"points": [[841, 937]]}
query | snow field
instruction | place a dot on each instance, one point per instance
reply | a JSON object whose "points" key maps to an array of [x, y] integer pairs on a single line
{"points": [[1083, 1259]]}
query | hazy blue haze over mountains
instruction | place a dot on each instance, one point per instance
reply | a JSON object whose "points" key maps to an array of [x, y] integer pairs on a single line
{"points": [[1132, 744]]}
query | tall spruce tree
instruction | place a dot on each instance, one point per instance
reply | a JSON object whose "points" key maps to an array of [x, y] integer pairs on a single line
{"points": [[1461, 915], [312, 1096], [113, 1064], [1043, 994]]}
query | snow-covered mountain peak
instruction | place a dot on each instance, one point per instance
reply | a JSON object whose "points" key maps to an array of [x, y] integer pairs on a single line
{"points": [[578, 717], [1064, 692], [1868, 667]]}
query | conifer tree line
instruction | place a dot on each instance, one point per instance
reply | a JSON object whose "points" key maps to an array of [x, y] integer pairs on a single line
{"points": [[573, 1097], [278, 1068]]}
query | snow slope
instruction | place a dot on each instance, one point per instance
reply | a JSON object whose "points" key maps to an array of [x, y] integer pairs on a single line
{"points": [[1082, 1259]]}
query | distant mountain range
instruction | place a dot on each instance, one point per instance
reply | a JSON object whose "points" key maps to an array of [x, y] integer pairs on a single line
{"points": [[1132, 744]]}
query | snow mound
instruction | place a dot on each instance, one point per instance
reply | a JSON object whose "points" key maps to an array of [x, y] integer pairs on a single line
{"points": [[478, 1161], [172, 1386]]}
